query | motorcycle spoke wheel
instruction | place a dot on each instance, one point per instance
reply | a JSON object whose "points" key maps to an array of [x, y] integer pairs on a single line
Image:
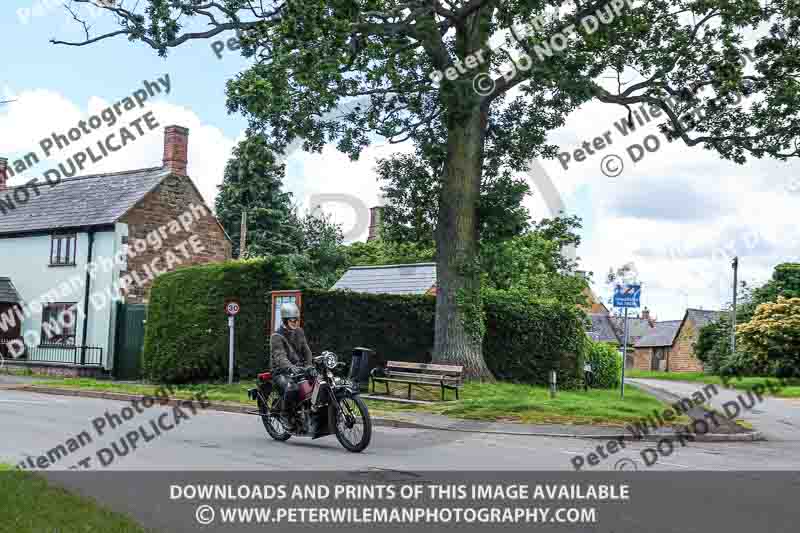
{"points": [[353, 424], [271, 420]]}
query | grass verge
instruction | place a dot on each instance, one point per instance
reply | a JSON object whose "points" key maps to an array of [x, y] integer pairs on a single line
{"points": [[792, 390], [479, 401], [29, 504]]}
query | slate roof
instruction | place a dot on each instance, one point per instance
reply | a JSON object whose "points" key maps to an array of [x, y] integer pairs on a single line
{"points": [[8, 294], [602, 329], [702, 317], [389, 279], [662, 335], [637, 328], [95, 200]]}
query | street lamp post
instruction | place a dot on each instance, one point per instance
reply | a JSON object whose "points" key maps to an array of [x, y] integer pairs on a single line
{"points": [[735, 266]]}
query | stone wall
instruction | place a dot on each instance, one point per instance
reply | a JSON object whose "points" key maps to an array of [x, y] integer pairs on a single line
{"points": [[681, 356], [642, 358]]}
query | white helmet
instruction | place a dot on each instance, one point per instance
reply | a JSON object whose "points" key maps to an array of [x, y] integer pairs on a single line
{"points": [[289, 310]]}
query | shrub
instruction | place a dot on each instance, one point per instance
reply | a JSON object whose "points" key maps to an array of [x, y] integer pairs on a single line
{"points": [[606, 364], [526, 339], [186, 336], [773, 336]]}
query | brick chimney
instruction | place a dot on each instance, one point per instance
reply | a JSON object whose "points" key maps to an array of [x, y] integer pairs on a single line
{"points": [[3, 173], [650, 319], [375, 215], [176, 149]]}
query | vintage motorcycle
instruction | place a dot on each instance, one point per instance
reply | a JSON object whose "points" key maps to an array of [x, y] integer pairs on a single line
{"points": [[326, 405]]}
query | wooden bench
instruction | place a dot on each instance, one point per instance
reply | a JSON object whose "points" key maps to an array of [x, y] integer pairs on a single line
{"points": [[419, 374]]}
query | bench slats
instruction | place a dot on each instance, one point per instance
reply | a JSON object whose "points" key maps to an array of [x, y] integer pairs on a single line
{"points": [[411, 375], [445, 369], [392, 380]]}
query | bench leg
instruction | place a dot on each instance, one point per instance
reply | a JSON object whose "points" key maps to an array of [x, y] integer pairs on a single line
{"points": [[387, 387], [456, 393], [409, 391], [373, 386], [442, 391]]}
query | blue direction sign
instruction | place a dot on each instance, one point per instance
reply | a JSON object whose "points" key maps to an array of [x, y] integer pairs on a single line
{"points": [[627, 295]]}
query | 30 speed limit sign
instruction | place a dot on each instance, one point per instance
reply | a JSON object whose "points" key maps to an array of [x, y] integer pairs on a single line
{"points": [[232, 308]]}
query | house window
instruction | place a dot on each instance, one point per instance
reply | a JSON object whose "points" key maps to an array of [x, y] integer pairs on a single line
{"points": [[58, 324], [62, 249]]}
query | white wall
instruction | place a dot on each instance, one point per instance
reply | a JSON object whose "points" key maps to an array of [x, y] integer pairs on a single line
{"points": [[26, 260]]}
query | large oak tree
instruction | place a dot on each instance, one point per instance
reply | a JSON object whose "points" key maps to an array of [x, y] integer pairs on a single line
{"points": [[313, 56]]}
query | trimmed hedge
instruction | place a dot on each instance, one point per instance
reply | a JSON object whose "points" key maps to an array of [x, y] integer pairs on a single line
{"points": [[187, 334], [397, 327], [524, 340], [186, 338]]}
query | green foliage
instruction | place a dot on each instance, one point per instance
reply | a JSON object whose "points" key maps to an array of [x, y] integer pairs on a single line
{"points": [[524, 341], [713, 345], [186, 337], [412, 188], [397, 327], [785, 282], [606, 364], [253, 181], [532, 266], [382, 252], [319, 258], [773, 337]]}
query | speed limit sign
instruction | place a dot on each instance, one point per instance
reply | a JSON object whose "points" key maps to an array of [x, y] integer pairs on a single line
{"points": [[232, 308]]}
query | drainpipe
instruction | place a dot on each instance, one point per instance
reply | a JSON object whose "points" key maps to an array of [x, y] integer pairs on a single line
{"points": [[86, 296]]}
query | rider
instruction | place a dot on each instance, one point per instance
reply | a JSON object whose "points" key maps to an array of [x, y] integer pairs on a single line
{"points": [[289, 352]]}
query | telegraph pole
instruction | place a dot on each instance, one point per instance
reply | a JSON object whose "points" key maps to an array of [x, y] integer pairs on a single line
{"points": [[735, 266]]}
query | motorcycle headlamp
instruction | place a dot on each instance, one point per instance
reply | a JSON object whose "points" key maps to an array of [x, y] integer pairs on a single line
{"points": [[330, 360]]}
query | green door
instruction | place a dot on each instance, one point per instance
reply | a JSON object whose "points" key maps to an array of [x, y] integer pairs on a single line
{"points": [[130, 340]]}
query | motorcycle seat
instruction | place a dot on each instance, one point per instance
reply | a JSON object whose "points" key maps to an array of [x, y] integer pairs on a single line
{"points": [[265, 376]]}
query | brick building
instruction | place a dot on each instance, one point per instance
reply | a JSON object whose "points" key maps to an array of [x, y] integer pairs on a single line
{"points": [[670, 347], [74, 252]]}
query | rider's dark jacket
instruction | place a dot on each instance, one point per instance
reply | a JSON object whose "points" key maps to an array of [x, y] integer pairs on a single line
{"points": [[288, 348]]}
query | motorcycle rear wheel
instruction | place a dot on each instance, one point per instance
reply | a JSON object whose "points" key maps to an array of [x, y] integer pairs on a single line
{"points": [[352, 425], [271, 420]]}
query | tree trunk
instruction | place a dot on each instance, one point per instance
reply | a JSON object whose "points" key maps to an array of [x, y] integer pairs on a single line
{"points": [[457, 244]]}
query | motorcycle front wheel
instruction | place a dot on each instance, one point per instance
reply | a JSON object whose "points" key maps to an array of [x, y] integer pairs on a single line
{"points": [[352, 423], [270, 418]]}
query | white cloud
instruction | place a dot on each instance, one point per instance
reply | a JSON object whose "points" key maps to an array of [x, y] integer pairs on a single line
{"points": [[37, 114]]}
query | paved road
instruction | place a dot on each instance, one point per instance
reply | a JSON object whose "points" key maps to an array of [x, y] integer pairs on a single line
{"points": [[777, 418], [31, 424]]}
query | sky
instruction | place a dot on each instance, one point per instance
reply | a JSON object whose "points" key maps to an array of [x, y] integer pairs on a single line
{"points": [[679, 214]]}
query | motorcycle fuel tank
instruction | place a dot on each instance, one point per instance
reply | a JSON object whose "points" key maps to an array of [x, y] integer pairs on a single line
{"points": [[304, 389]]}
